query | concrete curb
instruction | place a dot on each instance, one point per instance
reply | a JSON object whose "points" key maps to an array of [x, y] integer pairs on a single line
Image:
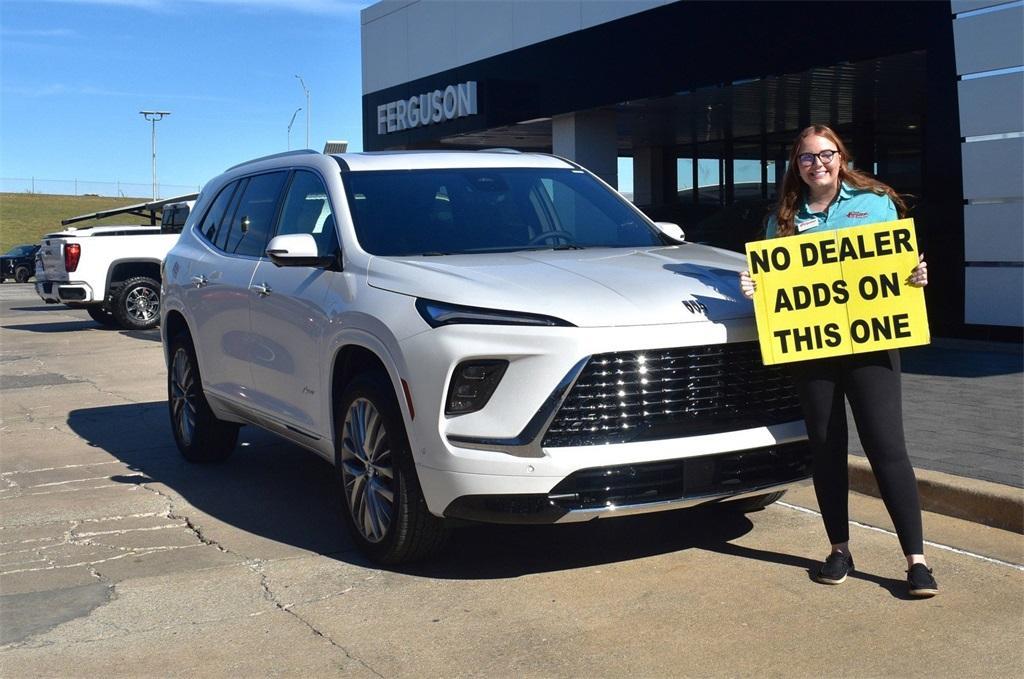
{"points": [[984, 502]]}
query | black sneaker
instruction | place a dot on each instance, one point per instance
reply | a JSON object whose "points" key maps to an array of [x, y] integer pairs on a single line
{"points": [[920, 582], [835, 569]]}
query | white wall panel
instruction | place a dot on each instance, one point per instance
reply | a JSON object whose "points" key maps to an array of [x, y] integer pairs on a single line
{"points": [[600, 11], [993, 295], [993, 169], [432, 44], [994, 232], [959, 6], [383, 8], [991, 105], [385, 52], [482, 29], [990, 41], [539, 20]]}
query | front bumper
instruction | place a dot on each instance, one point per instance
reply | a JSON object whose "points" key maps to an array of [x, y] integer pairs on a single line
{"points": [[624, 490]]}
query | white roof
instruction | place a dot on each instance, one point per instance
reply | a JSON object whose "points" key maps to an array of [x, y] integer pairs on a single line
{"points": [[421, 160]]}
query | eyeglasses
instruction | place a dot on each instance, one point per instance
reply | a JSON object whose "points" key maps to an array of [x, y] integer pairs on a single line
{"points": [[825, 157]]}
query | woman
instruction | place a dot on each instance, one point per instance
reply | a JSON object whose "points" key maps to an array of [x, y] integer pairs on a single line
{"points": [[820, 192]]}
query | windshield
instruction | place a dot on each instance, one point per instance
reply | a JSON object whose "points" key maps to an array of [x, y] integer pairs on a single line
{"points": [[444, 212], [20, 250]]}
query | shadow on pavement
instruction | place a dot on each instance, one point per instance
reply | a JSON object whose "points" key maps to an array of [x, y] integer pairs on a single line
{"points": [[278, 491], [64, 326], [41, 307], [941, 362]]}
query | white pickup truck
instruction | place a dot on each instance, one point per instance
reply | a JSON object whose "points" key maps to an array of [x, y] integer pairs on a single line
{"points": [[113, 272]]}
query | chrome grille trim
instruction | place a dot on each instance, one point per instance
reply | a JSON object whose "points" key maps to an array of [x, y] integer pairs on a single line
{"points": [[667, 393]]}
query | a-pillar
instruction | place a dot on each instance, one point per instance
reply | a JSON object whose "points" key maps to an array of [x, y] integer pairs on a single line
{"points": [[590, 139], [654, 176]]}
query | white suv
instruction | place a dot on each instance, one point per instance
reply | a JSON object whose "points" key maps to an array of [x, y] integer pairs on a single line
{"points": [[490, 336]]}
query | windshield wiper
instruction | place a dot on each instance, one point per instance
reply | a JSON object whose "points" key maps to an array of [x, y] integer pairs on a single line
{"points": [[569, 246]]}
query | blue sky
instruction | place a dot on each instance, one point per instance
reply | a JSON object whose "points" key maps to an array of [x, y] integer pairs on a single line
{"points": [[75, 74]]}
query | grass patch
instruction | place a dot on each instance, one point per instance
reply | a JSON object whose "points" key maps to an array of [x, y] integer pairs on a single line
{"points": [[25, 217]]}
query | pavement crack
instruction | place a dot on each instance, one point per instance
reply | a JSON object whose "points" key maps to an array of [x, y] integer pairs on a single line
{"points": [[196, 529], [257, 567]]}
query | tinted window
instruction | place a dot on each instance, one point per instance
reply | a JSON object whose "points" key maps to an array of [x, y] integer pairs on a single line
{"points": [[215, 216], [307, 210], [224, 230], [488, 210], [254, 215]]}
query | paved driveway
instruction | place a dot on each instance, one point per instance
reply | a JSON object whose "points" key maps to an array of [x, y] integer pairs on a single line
{"points": [[119, 559]]}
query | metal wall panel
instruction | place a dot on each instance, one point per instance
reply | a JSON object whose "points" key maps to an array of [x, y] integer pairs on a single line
{"points": [[959, 6], [431, 45], [385, 52], [993, 296], [990, 41], [994, 232], [993, 169], [991, 105]]}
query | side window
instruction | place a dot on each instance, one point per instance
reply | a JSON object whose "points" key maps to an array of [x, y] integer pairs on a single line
{"points": [[254, 215], [307, 210], [215, 216], [224, 231]]}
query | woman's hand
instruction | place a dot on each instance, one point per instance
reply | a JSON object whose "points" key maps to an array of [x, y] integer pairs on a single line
{"points": [[918, 276], [747, 284]]}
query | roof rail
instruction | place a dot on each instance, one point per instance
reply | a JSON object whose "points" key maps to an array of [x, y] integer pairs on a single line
{"points": [[283, 154], [499, 149]]}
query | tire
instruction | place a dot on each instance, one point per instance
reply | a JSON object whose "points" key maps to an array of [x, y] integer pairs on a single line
{"points": [[136, 305], [101, 314], [383, 504], [22, 274], [754, 504], [200, 436]]}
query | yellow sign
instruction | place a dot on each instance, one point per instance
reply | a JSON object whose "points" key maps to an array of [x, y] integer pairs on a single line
{"points": [[837, 292]]}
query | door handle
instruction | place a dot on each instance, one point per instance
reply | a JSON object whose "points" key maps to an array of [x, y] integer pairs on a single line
{"points": [[262, 289], [199, 281]]}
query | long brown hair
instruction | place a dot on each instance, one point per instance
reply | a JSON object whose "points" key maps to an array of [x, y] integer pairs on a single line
{"points": [[793, 185]]}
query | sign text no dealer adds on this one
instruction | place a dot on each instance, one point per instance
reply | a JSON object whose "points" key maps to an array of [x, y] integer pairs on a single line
{"points": [[837, 292]]}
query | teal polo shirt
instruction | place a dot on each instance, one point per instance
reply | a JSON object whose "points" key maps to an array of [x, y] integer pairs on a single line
{"points": [[851, 207]]}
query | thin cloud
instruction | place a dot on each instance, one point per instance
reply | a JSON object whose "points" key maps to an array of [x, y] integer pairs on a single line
{"points": [[37, 33], [319, 7], [61, 89]]}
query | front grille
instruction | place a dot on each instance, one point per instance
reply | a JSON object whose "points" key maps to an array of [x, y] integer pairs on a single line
{"points": [[689, 478], [668, 393]]}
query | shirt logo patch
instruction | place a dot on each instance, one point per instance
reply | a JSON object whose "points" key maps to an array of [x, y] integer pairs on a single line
{"points": [[807, 224], [853, 214]]}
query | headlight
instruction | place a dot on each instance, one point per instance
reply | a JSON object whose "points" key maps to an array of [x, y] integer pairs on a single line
{"points": [[472, 384], [443, 313]]}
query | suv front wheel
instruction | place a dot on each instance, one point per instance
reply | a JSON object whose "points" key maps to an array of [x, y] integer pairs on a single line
{"points": [[384, 506]]}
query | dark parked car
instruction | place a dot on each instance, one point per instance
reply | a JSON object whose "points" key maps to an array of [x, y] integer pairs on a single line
{"points": [[18, 263]]}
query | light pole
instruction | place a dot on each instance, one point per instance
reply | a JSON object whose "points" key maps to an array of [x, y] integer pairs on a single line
{"points": [[290, 127], [306, 90], [153, 117]]}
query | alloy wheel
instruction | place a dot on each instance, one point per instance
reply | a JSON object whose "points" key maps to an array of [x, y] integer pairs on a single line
{"points": [[367, 470], [183, 396], [142, 304]]}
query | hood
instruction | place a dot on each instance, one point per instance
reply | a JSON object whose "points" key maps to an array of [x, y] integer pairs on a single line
{"points": [[589, 288]]}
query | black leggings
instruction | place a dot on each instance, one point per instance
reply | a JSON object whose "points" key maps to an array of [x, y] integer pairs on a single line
{"points": [[871, 382]]}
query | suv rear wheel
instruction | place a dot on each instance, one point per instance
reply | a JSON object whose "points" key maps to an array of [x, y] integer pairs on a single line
{"points": [[200, 436], [136, 304], [22, 274], [384, 506]]}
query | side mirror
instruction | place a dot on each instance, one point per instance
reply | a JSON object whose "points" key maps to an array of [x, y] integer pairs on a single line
{"points": [[297, 249], [672, 230]]}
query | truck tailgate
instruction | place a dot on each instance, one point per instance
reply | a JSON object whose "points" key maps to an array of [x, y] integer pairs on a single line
{"points": [[50, 260]]}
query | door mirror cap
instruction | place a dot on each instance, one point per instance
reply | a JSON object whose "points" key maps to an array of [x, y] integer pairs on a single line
{"points": [[296, 249], [672, 230]]}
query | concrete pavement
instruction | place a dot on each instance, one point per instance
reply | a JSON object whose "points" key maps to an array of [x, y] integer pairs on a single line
{"points": [[119, 559]]}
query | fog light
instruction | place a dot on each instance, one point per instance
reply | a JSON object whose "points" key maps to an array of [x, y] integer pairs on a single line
{"points": [[472, 384]]}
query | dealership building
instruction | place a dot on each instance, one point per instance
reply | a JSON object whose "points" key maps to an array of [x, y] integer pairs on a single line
{"points": [[698, 102]]}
